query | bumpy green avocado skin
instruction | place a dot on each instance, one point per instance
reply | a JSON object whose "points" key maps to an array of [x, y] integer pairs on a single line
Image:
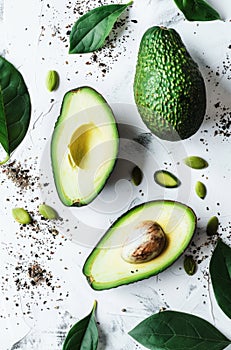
{"points": [[169, 89]]}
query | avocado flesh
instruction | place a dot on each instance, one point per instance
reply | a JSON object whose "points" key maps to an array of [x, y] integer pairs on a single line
{"points": [[169, 89], [166, 179], [84, 146], [105, 268]]}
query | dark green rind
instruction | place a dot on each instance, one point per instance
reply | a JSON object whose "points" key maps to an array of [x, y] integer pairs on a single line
{"points": [[66, 201], [169, 89], [177, 181], [133, 278]]}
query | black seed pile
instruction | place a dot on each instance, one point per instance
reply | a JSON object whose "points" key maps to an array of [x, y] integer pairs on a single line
{"points": [[20, 176], [223, 125]]}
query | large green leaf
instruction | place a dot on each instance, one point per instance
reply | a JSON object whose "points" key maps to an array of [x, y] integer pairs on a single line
{"points": [[171, 330], [220, 271], [197, 10], [15, 107], [90, 31], [83, 335]]}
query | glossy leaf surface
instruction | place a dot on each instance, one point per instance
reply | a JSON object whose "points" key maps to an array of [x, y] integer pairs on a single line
{"points": [[15, 107], [90, 31]]}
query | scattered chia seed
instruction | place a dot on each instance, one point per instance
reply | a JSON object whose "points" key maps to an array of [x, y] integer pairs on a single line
{"points": [[31, 246], [38, 275], [102, 61], [222, 113], [19, 175]]}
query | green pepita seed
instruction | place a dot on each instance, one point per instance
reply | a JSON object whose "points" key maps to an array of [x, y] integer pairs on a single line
{"points": [[52, 80], [212, 226], [21, 216], [137, 176], [196, 162], [189, 265], [200, 189], [47, 212], [166, 179]]}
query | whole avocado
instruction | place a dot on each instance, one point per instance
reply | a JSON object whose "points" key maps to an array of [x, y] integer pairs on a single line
{"points": [[169, 89]]}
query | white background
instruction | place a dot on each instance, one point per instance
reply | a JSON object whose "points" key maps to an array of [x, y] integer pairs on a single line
{"points": [[34, 38]]}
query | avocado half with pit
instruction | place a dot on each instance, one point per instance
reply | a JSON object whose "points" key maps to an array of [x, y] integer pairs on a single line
{"points": [[84, 146], [141, 243]]}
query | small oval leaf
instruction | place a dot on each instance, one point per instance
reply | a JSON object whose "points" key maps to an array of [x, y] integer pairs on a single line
{"points": [[197, 10], [166, 179], [177, 330], [220, 271], [212, 226], [15, 107], [21, 216], [90, 31], [189, 265], [196, 162], [84, 334], [200, 189], [137, 176]]}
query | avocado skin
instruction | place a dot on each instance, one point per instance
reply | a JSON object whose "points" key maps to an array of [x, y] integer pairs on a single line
{"points": [[169, 89], [79, 202]]}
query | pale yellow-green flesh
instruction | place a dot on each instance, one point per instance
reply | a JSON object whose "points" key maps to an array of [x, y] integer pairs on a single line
{"points": [[107, 269], [166, 180], [84, 147]]}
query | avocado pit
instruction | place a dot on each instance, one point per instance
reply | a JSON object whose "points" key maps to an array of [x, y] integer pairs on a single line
{"points": [[145, 243]]}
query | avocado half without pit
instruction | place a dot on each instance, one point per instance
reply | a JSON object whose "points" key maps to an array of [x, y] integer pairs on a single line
{"points": [[141, 243], [84, 146]]}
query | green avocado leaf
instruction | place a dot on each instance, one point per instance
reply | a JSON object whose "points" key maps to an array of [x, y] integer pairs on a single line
{"points": [[170, 330], [220, 271], [197, 10], [15, 107], [83, 335], [90, 31]]}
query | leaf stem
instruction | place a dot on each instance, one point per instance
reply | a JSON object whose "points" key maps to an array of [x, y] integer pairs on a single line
{"points": [[5, 159], [94, 305]]}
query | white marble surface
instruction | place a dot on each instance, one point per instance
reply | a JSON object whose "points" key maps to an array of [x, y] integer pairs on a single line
{"points": [[34, 38]]}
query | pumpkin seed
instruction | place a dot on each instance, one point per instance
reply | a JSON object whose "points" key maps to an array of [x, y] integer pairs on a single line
{"points": [[21, 216], [200, 189], [196, 162], [212, 226], [189, 265], [166, 179], [47, 212], [137, 176], [52, 80]]}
